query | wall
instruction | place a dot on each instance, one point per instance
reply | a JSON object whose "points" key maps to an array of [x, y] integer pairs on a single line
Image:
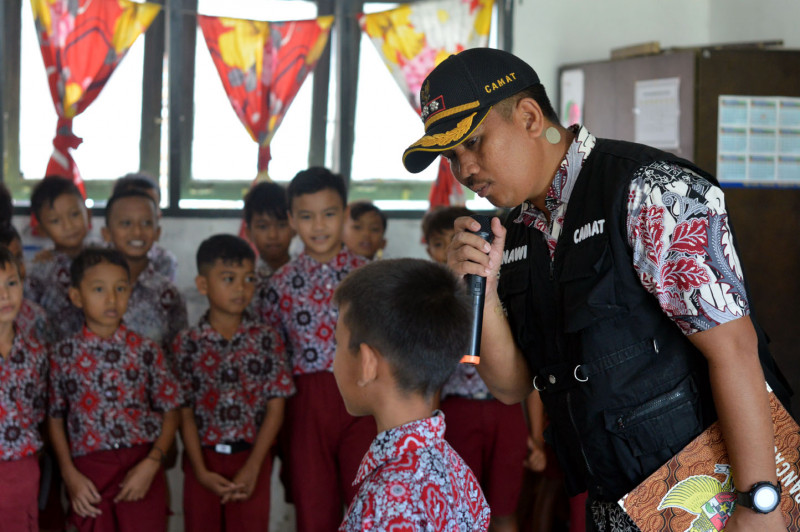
{"points": [[766, 20]]}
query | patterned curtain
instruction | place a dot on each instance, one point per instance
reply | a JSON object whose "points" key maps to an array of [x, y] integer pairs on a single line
{"points": [[82, 42], [262, 66], [413, 39]]}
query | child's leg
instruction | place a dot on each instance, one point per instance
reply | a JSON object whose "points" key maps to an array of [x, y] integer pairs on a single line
{"points": [[151, 512], [504, 469], [19, 487], [312, 431], [354, 444], [467, 434], [251, 515], [202, 510]]}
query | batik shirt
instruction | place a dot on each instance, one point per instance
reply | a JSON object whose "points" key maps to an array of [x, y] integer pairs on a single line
{"points": [[47, 284], [678, 230], [23, 397], [163, 261], [465, 382], [412, 480], [112, 392], [156, 308], [298, 305], [32, 319], [228, 382]]}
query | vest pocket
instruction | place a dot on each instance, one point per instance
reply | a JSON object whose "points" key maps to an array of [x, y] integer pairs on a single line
{"points": [[587, 281], [646, 436], [514, 292]]}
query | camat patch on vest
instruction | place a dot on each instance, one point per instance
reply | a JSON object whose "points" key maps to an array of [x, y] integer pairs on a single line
{"points": [[589, 230]]}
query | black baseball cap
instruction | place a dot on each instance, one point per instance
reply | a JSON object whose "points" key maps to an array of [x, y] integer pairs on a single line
{"points": [[458, 94]]}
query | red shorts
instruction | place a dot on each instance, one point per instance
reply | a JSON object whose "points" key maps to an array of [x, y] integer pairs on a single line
{"points": [[19, 489], [107, 470], [202, 509], [322, 447], [492, 439]]}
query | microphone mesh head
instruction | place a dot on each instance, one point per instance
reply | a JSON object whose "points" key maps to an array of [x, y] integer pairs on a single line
{"points": [[486, 226]]}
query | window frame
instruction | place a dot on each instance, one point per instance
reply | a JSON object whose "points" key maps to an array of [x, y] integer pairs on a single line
{"points": [[175, 30]]}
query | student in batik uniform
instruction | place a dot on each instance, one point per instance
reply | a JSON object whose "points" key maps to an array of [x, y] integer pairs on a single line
{"points": [[23, 400], [113, 406], [235, 382], [156, 308], [321, 444], [404, 327], [31, 317]]}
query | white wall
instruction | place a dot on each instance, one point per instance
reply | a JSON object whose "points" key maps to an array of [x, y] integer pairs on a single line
{"points": [[755, 20]]}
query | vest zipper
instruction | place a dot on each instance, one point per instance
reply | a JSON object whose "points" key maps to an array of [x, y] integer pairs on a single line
{"points": [[650, 407], [575, 428]]}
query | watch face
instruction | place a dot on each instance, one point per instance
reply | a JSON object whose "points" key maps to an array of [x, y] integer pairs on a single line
{"points": [[765, 498]]}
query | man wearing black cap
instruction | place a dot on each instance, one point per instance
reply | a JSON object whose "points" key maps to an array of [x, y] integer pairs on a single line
{"points": [[614, 289]]}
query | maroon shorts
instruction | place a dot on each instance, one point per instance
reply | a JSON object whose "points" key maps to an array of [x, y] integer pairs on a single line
{"points": [[202, 509], [107, 470], [322, 447], [19, 489], [492, 438]]}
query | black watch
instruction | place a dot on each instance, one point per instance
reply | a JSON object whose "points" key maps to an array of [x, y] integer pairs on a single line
{"points": [[762, 498]]}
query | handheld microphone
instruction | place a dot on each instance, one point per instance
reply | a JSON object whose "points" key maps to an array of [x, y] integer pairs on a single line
{"points": [[476, 289]]}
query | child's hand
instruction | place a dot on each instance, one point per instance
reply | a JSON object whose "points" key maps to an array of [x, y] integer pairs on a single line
{"points": [[537, 457], [217, 483], [82, 494], [246, 479], [136, 483]]}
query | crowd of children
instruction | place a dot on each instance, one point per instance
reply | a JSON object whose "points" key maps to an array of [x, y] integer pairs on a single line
{"points": [[294, 357]]}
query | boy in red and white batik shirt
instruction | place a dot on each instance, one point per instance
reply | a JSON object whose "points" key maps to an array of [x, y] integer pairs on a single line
{"points": [[235, 381], [319, 440], [391, 358], [23, 398], [113, 406]]}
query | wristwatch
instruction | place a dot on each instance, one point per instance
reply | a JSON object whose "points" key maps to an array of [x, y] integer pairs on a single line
{"points": [[762, 498]]}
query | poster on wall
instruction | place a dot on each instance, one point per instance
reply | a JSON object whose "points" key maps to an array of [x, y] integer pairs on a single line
{"points": [[657, 112], [758, 140], [572, 96]]}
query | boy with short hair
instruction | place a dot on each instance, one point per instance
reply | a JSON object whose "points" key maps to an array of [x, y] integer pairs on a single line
{"points": [[391, 359], [364, 229], [156, 308], [163, 260], [235, 382], [59, 208], [266, 217], [113, 406], [321, 443], [489, 435], [23, 401], [31, 318]]}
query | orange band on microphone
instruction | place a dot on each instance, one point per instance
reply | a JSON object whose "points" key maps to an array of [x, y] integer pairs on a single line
{"points": [[471, 359]]}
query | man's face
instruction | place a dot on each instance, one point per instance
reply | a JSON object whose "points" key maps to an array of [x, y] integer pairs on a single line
{"points": [[501, 161]]}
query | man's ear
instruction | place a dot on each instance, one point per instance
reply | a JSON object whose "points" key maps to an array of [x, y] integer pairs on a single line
{"points": [[75, 297], [367, 364], [201, 282], [529, 112]]}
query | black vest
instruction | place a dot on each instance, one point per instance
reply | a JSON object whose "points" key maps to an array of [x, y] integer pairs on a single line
{"points": [[623, 387]]}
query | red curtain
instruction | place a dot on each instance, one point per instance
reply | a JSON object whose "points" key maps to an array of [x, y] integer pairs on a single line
{"points": [[82, 42], [262, 66]]}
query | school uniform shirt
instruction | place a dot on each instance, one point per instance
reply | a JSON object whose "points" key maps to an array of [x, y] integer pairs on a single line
{"points": [[112, 392], [678, 230], [32, 319], [23, 397], [298, 305], [228, 382], [156, 309], [47, 284], [163, 261], [465, 382], [411, 479]]}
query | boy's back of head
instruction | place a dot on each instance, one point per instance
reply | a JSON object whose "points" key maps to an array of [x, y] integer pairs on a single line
{"points": [[414, 312], [48, 190], [227, 248], [442, 219], [265, 198], [92, 256], [313, 180]]}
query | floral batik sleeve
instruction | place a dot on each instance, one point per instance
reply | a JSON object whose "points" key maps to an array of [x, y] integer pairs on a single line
{"points": [[683, 249]]}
